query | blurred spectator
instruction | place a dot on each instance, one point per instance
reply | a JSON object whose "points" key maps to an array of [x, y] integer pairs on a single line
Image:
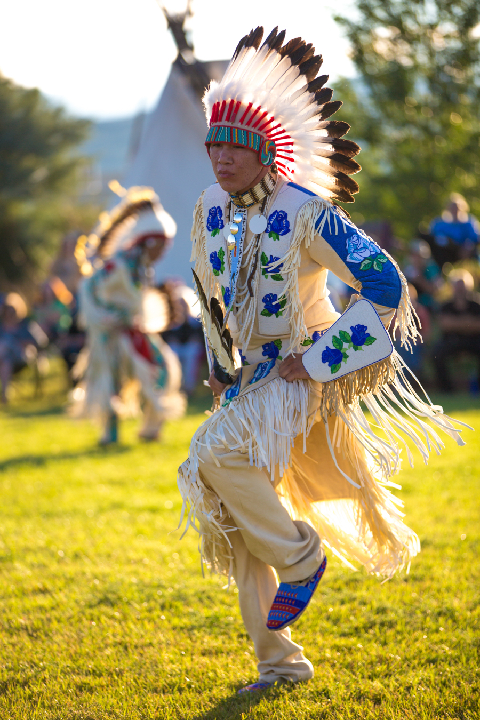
{"points": [[415, 358], [56, 311], [423, 273], [20, 339], [184, 333], [70, 341], [381, 232], [51, 312], [454, 236], [65, 266], [460, 325]]}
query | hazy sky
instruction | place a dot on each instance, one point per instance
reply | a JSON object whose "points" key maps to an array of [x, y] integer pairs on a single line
{"points": [[110, 58]]}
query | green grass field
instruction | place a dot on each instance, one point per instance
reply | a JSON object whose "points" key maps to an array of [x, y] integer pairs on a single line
{"points": [[104, 612]]}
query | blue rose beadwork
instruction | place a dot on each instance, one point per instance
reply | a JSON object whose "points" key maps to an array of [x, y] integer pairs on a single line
{"points": [[215, 220]]}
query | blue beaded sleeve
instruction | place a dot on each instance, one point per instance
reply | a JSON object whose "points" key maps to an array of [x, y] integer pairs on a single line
{"points": [[379, 277]]}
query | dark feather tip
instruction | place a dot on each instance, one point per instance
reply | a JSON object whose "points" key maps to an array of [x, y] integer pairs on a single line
{"points": [[271, 39], [239, 47], [335, 128], [253, 39], [317, 84], [343, 196], [291, 46], [279, 41], [346, 183], [338, 161], [227, 342], [201, 293], [345, 164], [323, 96], [216, 311], [310, 67], [346, 147], [330, 109], [257, 37], [302, 54]]}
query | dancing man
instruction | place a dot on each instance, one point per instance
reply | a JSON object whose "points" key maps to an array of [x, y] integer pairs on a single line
{"points": [[124, 351], [288, 465]]}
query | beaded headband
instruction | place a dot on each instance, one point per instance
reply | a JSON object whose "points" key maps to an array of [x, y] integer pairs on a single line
{"points": [[266, 149]]}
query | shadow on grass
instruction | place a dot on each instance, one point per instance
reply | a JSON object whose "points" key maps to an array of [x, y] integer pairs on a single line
{"points": [[41, 460], [237, 706], [43, 408], [56, 405]]}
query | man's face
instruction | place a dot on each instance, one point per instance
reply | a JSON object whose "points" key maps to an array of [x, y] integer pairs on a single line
{"points": [[236, 168], [155, 246]]}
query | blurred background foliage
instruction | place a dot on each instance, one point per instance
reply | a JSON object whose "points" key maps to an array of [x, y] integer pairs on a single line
{"points": [[414, 107], [40, 174]]}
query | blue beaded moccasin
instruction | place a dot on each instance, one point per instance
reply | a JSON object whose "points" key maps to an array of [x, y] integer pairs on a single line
{"points": [[254, 687], [291, 600]]}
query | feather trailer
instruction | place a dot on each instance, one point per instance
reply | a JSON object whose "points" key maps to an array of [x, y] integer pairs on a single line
{"points": [[271, 93], [219, 339]]}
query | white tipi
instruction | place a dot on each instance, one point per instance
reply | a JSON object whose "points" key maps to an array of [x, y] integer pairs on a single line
{"points": [[171, 156]]}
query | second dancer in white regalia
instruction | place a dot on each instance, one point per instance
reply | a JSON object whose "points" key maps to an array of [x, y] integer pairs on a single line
{"points": [[126, 366]]}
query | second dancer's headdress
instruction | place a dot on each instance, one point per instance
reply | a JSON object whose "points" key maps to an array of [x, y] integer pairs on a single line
{"points": [[271, 101], [137, 216]]}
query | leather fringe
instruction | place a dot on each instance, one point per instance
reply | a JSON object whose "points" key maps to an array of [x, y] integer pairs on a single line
{"points": [[346, 389]]}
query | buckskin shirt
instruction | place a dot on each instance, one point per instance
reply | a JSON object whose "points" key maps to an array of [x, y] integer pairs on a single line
{"points": [[334, 477]]}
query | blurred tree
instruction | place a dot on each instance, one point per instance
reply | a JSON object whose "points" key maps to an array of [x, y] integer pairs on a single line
{"points": [[39, 174], [415, 108]]}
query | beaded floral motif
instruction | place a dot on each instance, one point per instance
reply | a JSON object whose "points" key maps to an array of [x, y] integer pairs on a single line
{"points": [[261, 371], [359, 337], [243, 358], [271, 350], [226, 295], [217, 260], [278, 224], [215, 220], [356, 340], [273, 305], [311, 340], [363, 250], [270, 270], [232, 392]]}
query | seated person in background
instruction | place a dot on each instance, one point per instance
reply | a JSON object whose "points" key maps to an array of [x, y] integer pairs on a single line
{"points": [[423, 273], [70, 341], [460, 325], [416, 356], [19, 340], [56, 311], [454, 235], [51, 312], [184, 333]]}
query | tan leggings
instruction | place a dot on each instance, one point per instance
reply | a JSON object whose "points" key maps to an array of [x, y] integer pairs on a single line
{"points": [[266, 538]]}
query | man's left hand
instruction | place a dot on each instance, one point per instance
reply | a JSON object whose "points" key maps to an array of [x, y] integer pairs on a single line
{"points": [[292, 369]]}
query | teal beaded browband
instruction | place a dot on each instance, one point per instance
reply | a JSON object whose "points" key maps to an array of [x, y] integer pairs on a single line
{"points": [[246, 138]]}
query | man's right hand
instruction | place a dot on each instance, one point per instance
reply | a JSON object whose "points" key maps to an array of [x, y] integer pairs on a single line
{"points": [[216, 386]]}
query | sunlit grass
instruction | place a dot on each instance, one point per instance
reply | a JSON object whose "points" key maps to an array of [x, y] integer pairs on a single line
{"points": [[104, 612]]}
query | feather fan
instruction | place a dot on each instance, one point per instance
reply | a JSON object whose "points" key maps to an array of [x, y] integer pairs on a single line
{"points": [[219, 338]]}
